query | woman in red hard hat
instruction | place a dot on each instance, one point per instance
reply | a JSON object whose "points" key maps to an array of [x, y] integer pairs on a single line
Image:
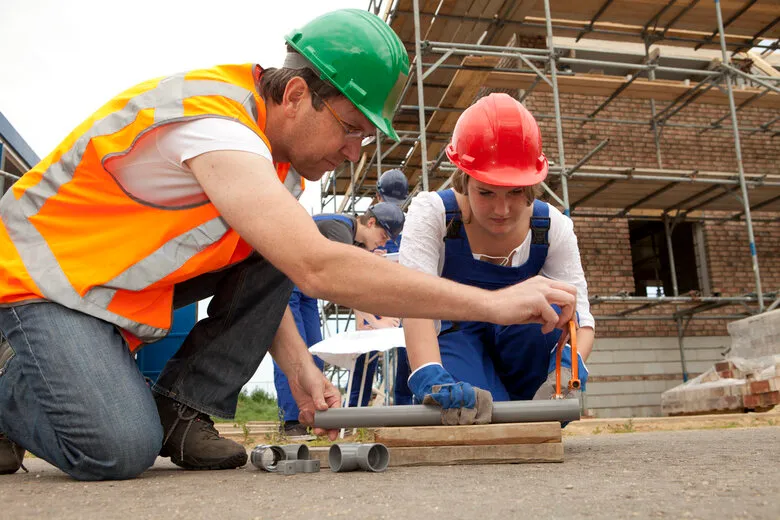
{"points": [[490, 231]]}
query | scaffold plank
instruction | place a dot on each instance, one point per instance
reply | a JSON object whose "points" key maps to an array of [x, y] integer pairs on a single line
{"points": [[599, 85]]}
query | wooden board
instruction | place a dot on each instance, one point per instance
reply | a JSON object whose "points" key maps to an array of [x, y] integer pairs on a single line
{"points": [[700, 18], [597, 85], [625, 19], [487, 434], [458, 455]]}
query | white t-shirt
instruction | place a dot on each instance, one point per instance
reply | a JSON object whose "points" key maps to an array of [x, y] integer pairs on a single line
{"points": [[154, 171], [422, 248]]}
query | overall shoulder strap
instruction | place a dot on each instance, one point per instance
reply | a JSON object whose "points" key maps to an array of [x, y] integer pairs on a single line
{"points": [[452, 216], [540, 239], [540, 224]]}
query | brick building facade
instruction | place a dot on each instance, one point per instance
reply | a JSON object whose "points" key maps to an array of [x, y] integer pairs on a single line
{"points": [[634, 361]]}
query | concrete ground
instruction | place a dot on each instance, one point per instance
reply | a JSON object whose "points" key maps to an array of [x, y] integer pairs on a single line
{"points": [[715, 473]]}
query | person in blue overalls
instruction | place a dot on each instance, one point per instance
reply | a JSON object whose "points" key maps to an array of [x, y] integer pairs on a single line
{"points": [[380, 223], [490, 231], [392, 186]]}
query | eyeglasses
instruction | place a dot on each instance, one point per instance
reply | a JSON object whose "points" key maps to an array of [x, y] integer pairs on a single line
{"points": [[350, 132]]}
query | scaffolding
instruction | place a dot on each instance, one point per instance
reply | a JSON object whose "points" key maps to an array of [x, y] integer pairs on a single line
{"points": [[461, 48]]}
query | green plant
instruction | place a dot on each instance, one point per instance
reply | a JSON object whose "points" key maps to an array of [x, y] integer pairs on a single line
{"points": [[257, 406], [626, 427]]}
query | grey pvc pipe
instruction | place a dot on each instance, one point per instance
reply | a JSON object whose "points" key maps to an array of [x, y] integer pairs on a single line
{"points": [[295, 451], [563, 410], [350, 457]]}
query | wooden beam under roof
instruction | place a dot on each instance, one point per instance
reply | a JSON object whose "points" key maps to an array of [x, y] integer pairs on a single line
{"points": [[599, 85]]}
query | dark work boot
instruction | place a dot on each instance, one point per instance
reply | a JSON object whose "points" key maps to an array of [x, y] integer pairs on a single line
{"points": [[11, 456], [192, 442], [295, 431]]}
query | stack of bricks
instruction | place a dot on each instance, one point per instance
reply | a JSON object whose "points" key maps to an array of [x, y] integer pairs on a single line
{"points": [[763, 393], [727, 387]]}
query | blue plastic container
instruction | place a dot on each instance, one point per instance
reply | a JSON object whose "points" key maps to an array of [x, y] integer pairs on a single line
{"points": [[153, 357]]}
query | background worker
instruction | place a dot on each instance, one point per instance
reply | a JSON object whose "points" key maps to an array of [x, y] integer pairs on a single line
{"points": [[490, 231], [380, 223], [392, 186], [193, 178]]}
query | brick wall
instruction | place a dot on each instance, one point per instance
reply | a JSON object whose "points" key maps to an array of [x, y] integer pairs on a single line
{"points": [[606, 258], [635, 360], [604, 244]]}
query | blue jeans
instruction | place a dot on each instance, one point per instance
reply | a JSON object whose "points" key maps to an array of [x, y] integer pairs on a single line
{"points": [[73, 395]]}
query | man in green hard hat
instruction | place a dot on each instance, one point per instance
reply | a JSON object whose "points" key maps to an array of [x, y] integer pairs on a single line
{"points": [[178, 189]]}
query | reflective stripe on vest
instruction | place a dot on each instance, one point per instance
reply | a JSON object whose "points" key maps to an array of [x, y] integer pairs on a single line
{"points": [[70, 234], [291, 179]]}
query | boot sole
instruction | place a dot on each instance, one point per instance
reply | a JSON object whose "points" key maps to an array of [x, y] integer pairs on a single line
{"points": [[236, 461]]}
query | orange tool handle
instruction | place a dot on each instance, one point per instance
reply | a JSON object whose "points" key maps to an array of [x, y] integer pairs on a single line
{"points": [[558, 355], [574, 384]]}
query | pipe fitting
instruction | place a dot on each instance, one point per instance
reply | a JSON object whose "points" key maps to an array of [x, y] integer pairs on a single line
{"points": [[350, 457], [267, 457], [296, 451], [288, 467]]}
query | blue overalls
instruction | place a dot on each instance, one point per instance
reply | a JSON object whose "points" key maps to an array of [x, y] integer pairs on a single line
{"points": [[511, 362], [392, 246]]}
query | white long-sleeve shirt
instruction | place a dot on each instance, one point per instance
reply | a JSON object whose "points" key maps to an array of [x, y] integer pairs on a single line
{"points": [[422, 248]]}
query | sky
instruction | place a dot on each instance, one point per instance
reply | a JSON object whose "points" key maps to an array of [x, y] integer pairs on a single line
{"points": [[61, 60]]}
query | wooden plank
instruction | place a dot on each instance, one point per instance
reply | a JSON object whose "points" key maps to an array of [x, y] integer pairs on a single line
{"points": [[699, 18], [597, 85], [761, 64], [486, 434], [459, 455], [634, 32], [490, 454]]}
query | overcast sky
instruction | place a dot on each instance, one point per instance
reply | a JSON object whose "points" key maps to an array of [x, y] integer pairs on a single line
{"points": [[61, 60]]}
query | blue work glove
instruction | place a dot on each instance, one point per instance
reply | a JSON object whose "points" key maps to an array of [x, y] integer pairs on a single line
{"points": [[461, 403], [547, 390]]}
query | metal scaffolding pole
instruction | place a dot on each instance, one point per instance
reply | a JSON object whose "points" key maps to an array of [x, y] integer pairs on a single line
{"points": [[593, 20], [717, 123], [738, 151], [588, 156], [420, 94], [557, 106], [668, 229], [722, 25], [589, 119], [653, 119], [378, 155]]}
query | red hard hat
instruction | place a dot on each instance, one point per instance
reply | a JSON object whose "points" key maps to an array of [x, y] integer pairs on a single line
{"points": [[497, 141]]}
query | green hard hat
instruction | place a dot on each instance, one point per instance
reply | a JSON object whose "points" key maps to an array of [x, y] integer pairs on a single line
{"points": [[361, 56]]}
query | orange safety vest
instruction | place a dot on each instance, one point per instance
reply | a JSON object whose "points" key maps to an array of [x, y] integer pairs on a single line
{"points": [[71, 235]]}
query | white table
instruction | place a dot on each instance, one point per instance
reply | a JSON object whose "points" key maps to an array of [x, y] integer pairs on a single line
{"points": [[344, 348]]}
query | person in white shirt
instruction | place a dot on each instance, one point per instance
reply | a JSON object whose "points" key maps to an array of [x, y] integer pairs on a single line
{"points": [[490, 231]]}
